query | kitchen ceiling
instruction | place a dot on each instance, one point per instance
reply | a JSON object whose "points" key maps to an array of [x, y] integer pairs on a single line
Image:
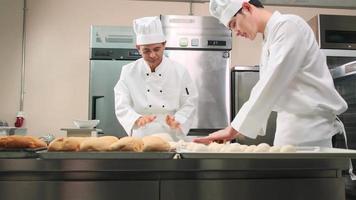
{"points": [[343, 4]]}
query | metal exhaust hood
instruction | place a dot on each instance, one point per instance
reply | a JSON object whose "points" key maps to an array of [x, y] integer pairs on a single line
{"points": [[343, 4]]}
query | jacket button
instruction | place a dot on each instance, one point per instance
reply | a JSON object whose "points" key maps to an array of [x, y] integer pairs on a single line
{"points": [[162, 106], [160, 91], [148, 90], [150, 106], [159, 74], [147, 74]]}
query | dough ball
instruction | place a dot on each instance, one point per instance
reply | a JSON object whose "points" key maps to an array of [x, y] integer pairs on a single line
{"points": [[288, 149], [243, 147], [250, 149], [262, 148], [275, 149]]}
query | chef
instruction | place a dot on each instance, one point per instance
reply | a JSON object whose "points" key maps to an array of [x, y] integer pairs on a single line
{"points": [[154, 94], [294, 79]]}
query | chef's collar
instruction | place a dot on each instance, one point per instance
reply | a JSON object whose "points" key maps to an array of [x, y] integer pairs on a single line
{"points": [[159, 69], [271, 22]]}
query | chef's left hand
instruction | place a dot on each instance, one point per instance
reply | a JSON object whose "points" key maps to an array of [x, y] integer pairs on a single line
{"points": [[171, 121]]}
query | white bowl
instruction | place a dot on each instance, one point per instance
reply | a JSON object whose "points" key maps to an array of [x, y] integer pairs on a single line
{"points": [[86, 123]]}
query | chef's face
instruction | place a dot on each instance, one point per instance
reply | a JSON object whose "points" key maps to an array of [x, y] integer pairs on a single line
{"points": [[152, 53], [244, 24]]}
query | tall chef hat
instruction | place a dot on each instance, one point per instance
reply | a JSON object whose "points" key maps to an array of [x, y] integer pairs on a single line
{"points": [[224, 10], [148, 30]]}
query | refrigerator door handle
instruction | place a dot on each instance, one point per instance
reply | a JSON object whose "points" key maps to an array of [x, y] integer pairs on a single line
{"points": [[94, 100]]}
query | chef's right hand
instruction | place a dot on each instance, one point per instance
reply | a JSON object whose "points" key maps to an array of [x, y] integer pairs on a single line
{"points": [[143, 120], [224, 135]]}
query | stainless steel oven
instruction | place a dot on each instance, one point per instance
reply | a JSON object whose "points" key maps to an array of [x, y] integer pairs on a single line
{"points": [[335, 31]]}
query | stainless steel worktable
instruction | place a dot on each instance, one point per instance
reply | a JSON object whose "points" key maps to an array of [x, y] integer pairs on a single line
{"points": [[246, 177]]}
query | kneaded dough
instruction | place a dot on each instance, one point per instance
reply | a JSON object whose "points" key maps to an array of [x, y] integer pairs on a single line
{"points": [[288, 149], [127, 144]]}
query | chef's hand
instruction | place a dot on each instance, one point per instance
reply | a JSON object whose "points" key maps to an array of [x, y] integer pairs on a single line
{"points": [[226, 134], [143, 120], [171, 121]]}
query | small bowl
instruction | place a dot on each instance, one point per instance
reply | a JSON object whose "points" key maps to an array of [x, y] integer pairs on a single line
{"points": [[86, 123]]}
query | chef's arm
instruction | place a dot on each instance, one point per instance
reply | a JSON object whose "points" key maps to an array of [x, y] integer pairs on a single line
{"points": [[123, 107], [188, 102], [286, 58]]}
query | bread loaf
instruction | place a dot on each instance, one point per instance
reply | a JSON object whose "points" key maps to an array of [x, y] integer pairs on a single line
{"points": [[153, 143], [127, 144], [98, 143], [66, 144], [21, 142]]}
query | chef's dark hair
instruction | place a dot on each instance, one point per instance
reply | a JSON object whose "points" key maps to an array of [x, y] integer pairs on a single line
{"points": [[256, 3]]}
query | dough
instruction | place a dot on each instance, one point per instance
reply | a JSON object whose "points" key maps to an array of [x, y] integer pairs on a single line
{"points": [[127, 144], [200, 148], [243, 147], [275, 149], [250, 149], [154, 143], [98, 143], [288, 149], [215, 147], [262, 148]]}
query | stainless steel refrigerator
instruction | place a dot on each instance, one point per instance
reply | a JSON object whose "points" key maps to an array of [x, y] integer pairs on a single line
{"points": [[202, 45], [111, 48], [243, 79]]}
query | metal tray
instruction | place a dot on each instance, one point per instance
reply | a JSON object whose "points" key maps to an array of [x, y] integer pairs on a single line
{"points": [[20, 153], [304, 153], [106, 155]]}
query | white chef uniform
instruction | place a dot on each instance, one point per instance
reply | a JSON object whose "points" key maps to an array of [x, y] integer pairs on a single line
{"points": [[168, 90], [296, 83]]}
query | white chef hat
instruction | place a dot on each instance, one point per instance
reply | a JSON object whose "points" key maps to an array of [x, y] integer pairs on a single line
{"points": [[224, 10], [148, 30]]}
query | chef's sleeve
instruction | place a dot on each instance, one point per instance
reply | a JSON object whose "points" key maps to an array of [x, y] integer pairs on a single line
{"points": [[188, 103], [286, 57], [123, 106]]}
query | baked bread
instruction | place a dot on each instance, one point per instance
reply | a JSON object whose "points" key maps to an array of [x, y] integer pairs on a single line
{"points": [[98, 143], [21, 142], [153, 143], [127, 144], [66, 144]]}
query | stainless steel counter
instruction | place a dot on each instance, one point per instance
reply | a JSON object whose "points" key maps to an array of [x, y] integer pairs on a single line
{"points": [[245, 178]]}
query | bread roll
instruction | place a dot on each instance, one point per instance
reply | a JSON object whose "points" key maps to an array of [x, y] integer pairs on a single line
{"points": [[127, 144], [21, 142], [153, 143], [66, 144], [98, 143]]}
